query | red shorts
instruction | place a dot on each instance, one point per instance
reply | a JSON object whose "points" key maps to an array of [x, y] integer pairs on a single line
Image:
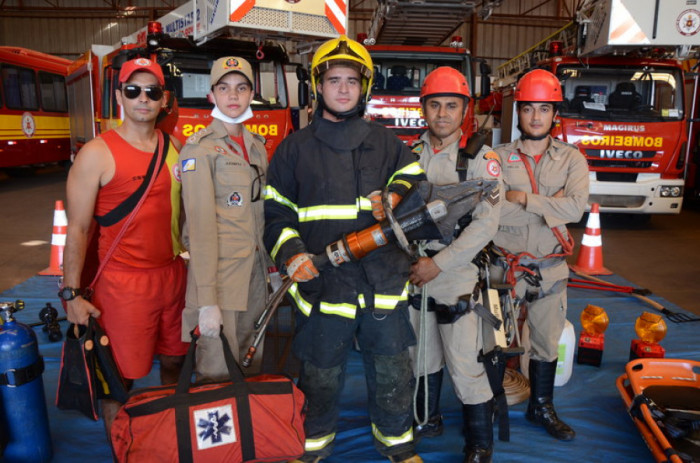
{"points": [[142, 313]]}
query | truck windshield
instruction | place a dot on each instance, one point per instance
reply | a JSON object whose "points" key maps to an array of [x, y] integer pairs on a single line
{"points": [[188, 75], [628, 93], [403, 74]]}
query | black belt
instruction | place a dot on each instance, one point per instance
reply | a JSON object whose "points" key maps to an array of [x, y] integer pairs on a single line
{"points": [[444, 313], [451, 313]]}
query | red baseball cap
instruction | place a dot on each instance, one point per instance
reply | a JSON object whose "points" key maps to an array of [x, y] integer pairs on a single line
{"points": [[141, 64]]}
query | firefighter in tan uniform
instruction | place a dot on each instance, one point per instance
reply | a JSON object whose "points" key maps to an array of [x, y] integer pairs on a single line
{"points": [[546, 187], [223, 176], [452, 334]]}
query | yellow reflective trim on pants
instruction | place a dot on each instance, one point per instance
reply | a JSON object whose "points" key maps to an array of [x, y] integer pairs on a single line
{"points": [[390, 301], [343, 310], [391, 441], [286, 235], [412, 169], [272, 194], [314, 445], [302, 303]]}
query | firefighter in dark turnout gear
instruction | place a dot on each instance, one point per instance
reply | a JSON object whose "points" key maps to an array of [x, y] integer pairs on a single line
{"points": [[448, 272], [322, 182]]}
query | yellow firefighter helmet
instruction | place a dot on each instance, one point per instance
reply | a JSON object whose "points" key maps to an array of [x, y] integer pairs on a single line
{"points": [[343, 51]]}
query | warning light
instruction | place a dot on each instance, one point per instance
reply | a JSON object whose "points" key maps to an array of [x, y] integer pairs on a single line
{"points": [[556, 48], [154, 27], [456, 42], [361, 37], [651, 329], [155, 33], [594, 321]]}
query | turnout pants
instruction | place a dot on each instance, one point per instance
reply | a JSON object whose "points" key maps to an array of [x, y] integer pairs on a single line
{"points": [[383, 342]]}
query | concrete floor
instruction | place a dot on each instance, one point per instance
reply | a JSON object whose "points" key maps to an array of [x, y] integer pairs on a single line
{"points": [[661, 254]]}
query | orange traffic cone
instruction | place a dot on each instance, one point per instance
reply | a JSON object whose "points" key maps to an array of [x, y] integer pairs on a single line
{"points": [[590, 256], [58, 241]]}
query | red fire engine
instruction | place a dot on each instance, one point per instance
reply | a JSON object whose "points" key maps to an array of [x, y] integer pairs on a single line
{"points": [[402, 61], [624, 101], [33, 109], [399, 71]]}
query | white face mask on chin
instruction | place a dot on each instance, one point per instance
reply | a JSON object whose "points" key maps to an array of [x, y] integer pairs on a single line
{"points": [[217, 114]]}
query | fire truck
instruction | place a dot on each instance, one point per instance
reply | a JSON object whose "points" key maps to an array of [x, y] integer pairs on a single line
{"points": [[621, 70], [402, 61], [399, 71], [33, 111], [185, 42]]}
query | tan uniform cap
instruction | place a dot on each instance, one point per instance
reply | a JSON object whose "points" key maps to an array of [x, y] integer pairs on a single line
{"points": [[223, 66]]}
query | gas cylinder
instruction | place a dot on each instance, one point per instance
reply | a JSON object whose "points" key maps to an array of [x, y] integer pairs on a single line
{"points": [[22, 401]]}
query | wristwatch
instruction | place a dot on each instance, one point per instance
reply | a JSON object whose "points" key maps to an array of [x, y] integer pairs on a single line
{"points": [[68, 294]]}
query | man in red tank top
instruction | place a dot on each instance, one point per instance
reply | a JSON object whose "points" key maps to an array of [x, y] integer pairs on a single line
{"points": [[139, 296]]}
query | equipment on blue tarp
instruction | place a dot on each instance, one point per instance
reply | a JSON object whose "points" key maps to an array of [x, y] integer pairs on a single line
{"points": [[49, 318], [640, 293], [24, 415], [663, 399]]}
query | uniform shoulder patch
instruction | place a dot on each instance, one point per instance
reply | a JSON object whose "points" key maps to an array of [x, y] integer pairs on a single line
{"points": [[491, 154], [189, 165], [493, 167], [198, 135], [417, 146]]}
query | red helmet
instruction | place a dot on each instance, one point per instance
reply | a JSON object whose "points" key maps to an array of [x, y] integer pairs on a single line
{"points": [[444, 81], [538, 85]]}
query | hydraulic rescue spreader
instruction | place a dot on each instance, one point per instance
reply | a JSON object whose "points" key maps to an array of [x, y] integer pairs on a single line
{"points": [[427, 212]]}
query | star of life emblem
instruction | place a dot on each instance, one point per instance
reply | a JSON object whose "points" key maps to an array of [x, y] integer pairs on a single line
{"points": [[214, 427]]}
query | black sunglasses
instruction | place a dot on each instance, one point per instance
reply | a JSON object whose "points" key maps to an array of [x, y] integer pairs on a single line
{"points": [[131, 91]]}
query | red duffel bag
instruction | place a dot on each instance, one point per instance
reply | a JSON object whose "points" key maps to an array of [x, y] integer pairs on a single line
{"points": [[241, 420]]}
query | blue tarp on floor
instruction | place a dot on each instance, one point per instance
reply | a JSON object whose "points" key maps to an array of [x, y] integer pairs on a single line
{"points": [[589, 402]]}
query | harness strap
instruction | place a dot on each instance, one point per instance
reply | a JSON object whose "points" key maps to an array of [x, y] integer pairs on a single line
{"points": [[495, 367], [567, 245], [512, 260]]}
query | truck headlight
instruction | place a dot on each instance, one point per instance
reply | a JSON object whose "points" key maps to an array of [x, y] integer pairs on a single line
{"points": [[671, 191]]}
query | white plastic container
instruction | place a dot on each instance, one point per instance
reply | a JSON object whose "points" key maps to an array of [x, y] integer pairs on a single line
{"points": [[565, 363]]}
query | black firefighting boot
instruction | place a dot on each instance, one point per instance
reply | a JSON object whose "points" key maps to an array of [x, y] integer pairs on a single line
{"points": [[540, 409], [478, 432], [434, 425]]}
